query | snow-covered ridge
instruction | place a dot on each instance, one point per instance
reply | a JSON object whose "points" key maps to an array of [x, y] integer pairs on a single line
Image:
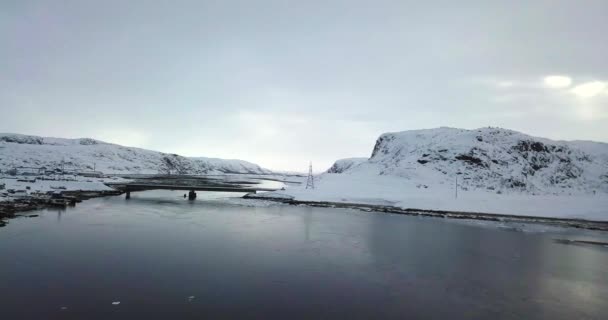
{"points": [[490, 159], [345, 164], [17, 150], [35, 140]]}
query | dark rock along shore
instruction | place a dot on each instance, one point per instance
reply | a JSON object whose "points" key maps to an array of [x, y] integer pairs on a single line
{"points": [[10, 209]]}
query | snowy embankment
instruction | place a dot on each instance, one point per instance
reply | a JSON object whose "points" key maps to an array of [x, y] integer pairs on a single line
{"points": [[25, 194], [89, 184], [498, 171], [22, 189], [391, 191]]}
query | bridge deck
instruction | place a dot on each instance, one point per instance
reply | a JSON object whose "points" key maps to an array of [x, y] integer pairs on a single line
{"points": [[146, 186]]}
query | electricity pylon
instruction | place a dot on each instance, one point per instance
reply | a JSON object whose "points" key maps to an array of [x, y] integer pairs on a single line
{"points": [[310, 182]]}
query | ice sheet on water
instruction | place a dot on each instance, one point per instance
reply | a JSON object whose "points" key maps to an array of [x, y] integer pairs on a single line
{"points": [[509, 226]]}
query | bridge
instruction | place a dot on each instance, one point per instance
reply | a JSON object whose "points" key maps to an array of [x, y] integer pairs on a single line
{"points": [[132, 187]]}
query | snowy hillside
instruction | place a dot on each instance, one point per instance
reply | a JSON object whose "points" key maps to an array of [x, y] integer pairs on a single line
{"points": [[345, 164], [87, 154], [490, 159], [498, 171]]}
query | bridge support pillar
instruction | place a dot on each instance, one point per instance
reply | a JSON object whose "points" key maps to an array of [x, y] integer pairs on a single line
{"points": [[191, 195], [128, 194]]}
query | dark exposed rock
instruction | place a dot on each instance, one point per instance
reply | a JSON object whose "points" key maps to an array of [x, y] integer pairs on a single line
{"points": [[514, 183], [20, 139], [172, 163], [535, 146], [470, 159], [380, 142], [88, 142]]}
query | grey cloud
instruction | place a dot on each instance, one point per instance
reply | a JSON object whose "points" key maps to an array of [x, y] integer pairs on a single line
{"points": [[319, 79]]}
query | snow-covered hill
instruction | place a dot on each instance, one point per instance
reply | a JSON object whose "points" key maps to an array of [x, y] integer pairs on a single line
{"points": [[489, 159], [85, 154], [498, 171]]}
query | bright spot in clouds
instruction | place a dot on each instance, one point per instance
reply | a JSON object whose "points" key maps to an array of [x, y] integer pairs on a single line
{"points": [[557, 81], [589, 89]]}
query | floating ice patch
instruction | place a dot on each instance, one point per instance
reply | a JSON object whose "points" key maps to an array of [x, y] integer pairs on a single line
{"points": [[116, 303], [64, 308], [190, 298]]}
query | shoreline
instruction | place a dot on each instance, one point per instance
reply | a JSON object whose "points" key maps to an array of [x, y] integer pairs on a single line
{"points": [[559, 222], [9, 210]]}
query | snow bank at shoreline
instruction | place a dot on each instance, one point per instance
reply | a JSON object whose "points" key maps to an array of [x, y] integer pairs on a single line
{"points": [[402, 193], [78, 183]]}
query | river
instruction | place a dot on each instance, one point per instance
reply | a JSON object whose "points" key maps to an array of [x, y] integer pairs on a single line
{"points": [[159, 256]]}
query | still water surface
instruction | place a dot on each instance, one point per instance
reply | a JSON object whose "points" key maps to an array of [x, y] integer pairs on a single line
{"points": [[163, 257]]}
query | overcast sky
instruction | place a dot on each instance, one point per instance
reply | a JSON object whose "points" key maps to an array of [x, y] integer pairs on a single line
{"points": [[280, 83]]}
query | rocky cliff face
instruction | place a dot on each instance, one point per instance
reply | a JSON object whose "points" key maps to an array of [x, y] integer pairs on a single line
{"points": [[491, 159], [87, 154]]}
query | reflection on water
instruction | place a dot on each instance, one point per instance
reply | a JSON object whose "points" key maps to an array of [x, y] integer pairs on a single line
{"points": [[157, 250]]}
